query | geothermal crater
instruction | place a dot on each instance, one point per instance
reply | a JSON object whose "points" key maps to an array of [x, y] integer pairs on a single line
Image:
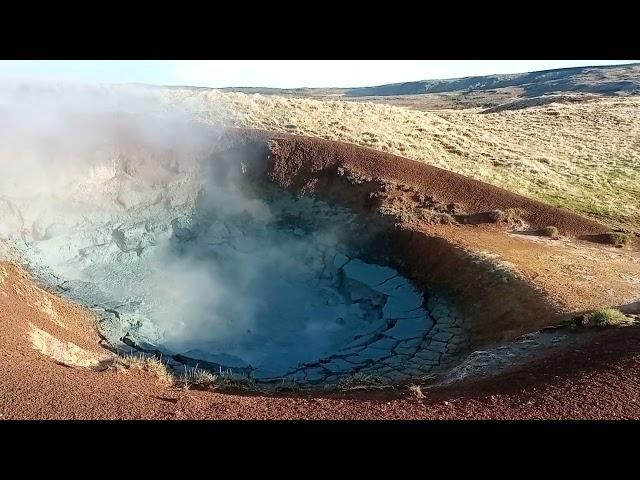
{"points": [[301, 304], [211, 263], [283, 291], [272, 257]]}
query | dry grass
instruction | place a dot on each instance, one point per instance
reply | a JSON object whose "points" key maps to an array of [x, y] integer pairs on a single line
{"points": [[197, 377], [504, 271], [361, 381], [288, 386], [416, 391], [550, 231], [617, 239], [149, 364], [583, 156], [190, 377], [229, 382]]}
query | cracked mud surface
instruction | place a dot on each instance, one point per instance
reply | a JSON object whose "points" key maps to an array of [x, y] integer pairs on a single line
{"points": [[321, 315]]}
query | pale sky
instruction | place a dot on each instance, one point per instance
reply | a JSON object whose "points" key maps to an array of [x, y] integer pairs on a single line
{"points": [[271, 73]]}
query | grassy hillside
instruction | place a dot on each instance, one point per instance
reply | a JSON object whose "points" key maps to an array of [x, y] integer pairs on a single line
{"points": [[583, 156]]}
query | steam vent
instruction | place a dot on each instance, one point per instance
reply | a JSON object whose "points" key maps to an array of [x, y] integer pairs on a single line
{"points": [[267, 257]]}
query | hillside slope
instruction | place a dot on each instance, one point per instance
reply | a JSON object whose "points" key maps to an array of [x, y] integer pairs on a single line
{"points": [[609, 80], [479, 92], [582, 156]]}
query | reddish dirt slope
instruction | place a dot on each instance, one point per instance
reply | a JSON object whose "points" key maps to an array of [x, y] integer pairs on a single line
{"points": [[550, 280], [299, 161]]}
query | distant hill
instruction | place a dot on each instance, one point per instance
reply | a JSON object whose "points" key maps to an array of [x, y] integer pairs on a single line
{"points": [[608, 79], [490, 91], [601, 80]]}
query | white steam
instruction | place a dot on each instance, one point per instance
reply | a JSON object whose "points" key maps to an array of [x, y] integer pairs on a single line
{"points": [[122, 199], [124, 202], [92, 177]]}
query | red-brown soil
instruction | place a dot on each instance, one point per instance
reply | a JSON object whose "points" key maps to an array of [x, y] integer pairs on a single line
{"points": [[299, 162]]}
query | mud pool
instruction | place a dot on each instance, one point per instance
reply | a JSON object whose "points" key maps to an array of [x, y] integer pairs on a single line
{"points": [[187, 249], [270, 290]]}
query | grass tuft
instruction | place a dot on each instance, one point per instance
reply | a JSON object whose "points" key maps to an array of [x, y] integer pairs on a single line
{"points": [[417, 391], [361, 381], [197, 377], [149, 364], [607, 317]]}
